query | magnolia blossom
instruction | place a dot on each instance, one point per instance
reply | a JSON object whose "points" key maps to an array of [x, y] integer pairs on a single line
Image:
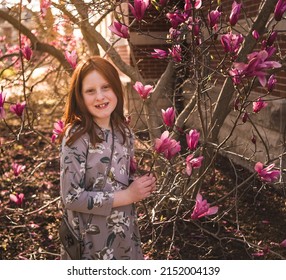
{"points": [[257, 64], [17, 198], [174, 34], [176, 18], [27, 52], [267, 174], [202, 208], [144, 91], [17, 168], [168, 116], [258, 105], [280, 8], [119, 29], [235, 11], [231, 42], [58, 129], [193, 139], [213, 17], [44, 5], [139, 9], [255, 34], [161, 54], [71, 57], [271, 83], [188, 5], [193, 163], [18, 109], [2, 101], [167, 146], [175, 52]]}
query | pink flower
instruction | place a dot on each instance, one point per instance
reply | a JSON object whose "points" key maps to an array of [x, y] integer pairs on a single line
{"points": [[144, 91], [139, 9], [160, 54], [44, 5], [169, 147], [2, 101], [257, 64], [234, 15], [133, 165], [71, 57], [193, 139], [27, 52], [175, 52], [193, 163], [17, 198], [202, 208], [17, 168], [18, 109], [280, 8], [267, 174], [119, 29], [231, 42], [169, 116], [271, 83], [258, 105], [213, 18], [283, 243], [176, 18], [255, 34], [58, 129]]}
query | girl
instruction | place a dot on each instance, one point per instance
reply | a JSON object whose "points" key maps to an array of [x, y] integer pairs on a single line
{"points": [[96, 156]]}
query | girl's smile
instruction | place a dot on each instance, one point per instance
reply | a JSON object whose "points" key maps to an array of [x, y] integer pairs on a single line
{"points": [[99, 98]]}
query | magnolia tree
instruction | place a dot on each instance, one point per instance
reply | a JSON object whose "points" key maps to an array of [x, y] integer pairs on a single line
{"points": [[180, 156]]}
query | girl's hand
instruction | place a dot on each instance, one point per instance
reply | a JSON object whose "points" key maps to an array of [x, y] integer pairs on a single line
{"points": [[141, 187]]}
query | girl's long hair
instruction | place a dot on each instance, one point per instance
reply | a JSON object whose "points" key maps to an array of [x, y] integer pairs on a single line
{"points": [[76, 114]]}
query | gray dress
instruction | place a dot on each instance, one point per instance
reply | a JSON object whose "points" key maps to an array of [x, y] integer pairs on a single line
{"points": [[113, 232]]}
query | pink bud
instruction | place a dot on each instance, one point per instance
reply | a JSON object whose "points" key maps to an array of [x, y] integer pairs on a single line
{"points": [[255, 35], [234, 16], [169, 116], [27, 52], [193, 139], [71, 57], [280, 8]]}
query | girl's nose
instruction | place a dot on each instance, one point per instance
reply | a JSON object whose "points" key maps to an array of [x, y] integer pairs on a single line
{"points": [[99, 95]]}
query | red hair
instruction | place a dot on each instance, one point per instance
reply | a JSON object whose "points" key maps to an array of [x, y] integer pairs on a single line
{"points": [[76, 113]]}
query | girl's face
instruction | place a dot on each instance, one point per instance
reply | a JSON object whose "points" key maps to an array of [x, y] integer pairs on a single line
{"points": [[99, 98]]}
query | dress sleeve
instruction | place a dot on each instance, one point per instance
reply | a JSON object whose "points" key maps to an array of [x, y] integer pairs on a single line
{"points": [[74, 195]]}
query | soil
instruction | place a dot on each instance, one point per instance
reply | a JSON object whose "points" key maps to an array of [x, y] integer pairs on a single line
{"points": [[251, 227]]}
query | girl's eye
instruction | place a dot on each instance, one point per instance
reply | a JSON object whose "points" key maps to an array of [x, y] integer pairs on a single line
{"points": [[106, 87], [90, 91]]}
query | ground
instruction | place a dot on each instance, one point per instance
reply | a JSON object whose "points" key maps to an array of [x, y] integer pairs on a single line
{"points": [[252, 228]]}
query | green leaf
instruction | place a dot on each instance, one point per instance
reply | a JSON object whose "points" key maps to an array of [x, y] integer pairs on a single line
{"points": [[105, 160]]}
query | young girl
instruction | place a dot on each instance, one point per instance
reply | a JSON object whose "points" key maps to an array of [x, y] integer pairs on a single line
{"points": [[97, 149]]}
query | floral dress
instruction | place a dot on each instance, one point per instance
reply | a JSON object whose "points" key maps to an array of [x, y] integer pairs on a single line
{"points": [[112, 232]]}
